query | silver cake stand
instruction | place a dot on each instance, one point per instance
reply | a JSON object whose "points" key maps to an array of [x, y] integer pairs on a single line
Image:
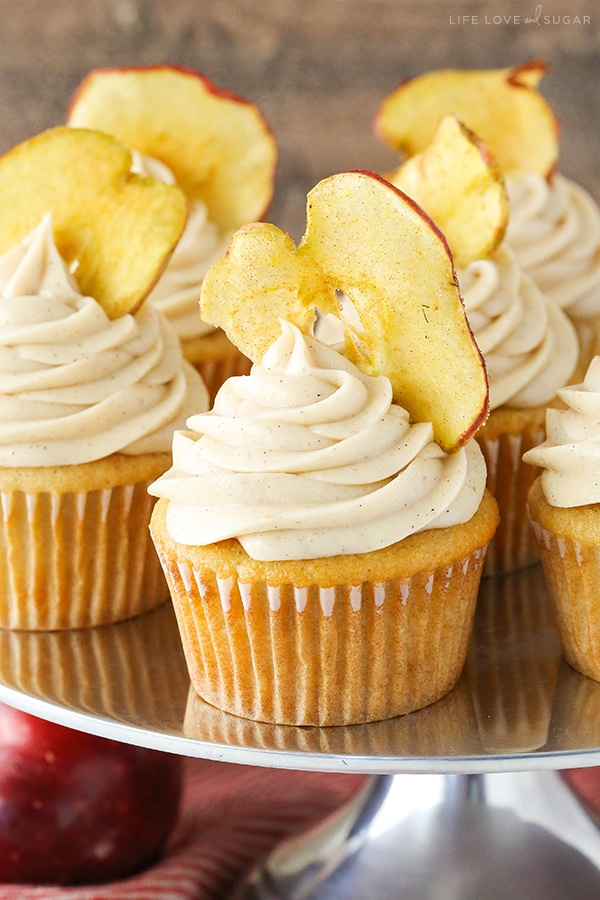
{"points": [[467, 800]]}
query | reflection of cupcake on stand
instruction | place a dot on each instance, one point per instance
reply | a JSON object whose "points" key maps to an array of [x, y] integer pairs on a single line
{"points": [[576, 712], [445, 728], [219, 150], [97, 670], [317, 574], [513, 663], [529, 345]]}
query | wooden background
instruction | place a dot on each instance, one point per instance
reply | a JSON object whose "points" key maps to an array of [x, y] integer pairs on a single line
{"points": [[317, 68]]}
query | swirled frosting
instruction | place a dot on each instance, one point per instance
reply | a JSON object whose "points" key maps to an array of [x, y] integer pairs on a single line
{"points": [[177, 292], [308, 457], [76, 386], [529, 345], [554, 230], [570, 454]]}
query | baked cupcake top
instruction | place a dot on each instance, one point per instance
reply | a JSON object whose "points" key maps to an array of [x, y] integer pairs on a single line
{"points": [[554, 230], [570, 454], [183, 129], [82, 379], [312, 454]]}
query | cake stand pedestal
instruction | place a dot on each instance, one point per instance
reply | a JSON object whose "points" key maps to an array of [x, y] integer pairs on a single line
{"points": [[505, 836], [467, 798]]}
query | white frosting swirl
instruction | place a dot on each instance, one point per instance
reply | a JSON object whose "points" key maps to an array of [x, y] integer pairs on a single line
{"points": [[570, 454], [76, 386], [177, 292], [529, 345], [554, 230], [308, 457]]}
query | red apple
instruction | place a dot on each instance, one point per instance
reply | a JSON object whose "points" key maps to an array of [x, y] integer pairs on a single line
{"points": [[80, 809]]}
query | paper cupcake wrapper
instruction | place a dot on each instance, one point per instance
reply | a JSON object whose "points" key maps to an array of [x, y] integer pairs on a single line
{"points": [[572, 573], [324, 655], [76, 560], [509, 479]]}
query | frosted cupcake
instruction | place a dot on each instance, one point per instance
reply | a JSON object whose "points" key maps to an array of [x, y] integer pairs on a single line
{"points": [[528, 343], [218, 148], [554, 230], [564, 505], [322, 550], [531, 350], [88, 400], [554, 224]]}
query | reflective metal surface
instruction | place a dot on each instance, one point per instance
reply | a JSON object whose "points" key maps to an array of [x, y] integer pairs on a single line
{"points": [[442, 837], [517, 707]]}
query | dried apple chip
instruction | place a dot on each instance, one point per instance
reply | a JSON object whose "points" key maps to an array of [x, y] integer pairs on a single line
{"points": [[369, 240], [218, 145], [262, 278], [118, 229], [459, 185], [501, 106]]}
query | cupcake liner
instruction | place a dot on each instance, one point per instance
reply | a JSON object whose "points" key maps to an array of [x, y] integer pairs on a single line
{"points": [[75, 560], [323, 655], [572, 571], [509, 479]]}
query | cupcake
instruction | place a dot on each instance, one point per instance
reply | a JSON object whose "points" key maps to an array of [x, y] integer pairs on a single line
{"points": [[218, 148], [322, 550], [90, 390], [554, 223], [531, 350], [529, 345], [554, 230], [564, 505]]}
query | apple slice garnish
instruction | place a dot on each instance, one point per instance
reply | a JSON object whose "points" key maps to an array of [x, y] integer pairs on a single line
{"points": [[370, 241], [217, 145], [501, 106], [459, 185], [115, 229]]}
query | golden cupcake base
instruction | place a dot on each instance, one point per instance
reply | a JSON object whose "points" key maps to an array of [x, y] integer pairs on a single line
{"points": [[505, 437], [78, 555], [302, 651], [569, 541]]}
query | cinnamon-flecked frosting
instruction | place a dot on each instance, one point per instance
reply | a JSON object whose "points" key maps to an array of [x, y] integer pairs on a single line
{"points": [[554, 230], [528, 343], [309, 457], [75, 385], [177, 292], [570, 454]]}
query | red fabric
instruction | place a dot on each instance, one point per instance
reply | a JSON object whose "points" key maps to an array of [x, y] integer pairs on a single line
{"points": [[231, 816]]}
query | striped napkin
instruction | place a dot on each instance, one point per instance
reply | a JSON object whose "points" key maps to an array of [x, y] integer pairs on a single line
{"points": [[231, 816]]}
